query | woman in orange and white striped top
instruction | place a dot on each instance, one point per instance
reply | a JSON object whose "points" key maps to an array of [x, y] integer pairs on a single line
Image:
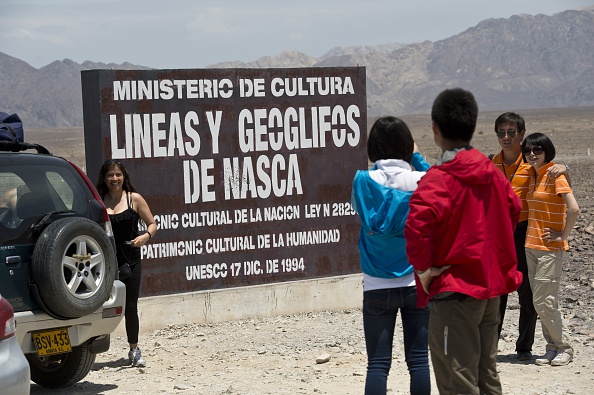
{"points": [[552, 214]]}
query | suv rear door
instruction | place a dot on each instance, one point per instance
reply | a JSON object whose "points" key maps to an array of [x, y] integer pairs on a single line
{"points": [[31, 186]]}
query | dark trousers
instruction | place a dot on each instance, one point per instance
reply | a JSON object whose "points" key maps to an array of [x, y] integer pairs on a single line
{"points": [[528, 316], [380, 308], [132, 292], [463, 343]]}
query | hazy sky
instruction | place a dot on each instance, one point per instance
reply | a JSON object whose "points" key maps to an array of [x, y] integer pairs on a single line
{"points": [[196, 33]]}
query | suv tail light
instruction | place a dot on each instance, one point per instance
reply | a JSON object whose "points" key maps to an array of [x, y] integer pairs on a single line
{"points": [[108, 228], [7, 324]]}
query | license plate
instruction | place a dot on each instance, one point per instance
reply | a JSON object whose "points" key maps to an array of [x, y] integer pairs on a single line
{"points": [[52, 342]]}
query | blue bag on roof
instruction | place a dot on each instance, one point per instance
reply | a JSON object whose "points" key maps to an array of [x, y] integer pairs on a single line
{"points": [[11, 128]]}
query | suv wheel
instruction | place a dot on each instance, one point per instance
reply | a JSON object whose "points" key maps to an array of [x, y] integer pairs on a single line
{"points": [[63, 369], [73, 266]]}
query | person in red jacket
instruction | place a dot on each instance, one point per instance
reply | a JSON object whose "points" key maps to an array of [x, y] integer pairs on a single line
{"points": [[462, 215]]}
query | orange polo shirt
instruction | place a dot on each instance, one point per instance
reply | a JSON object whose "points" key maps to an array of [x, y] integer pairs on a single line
{"points": [[547, 209], [519, 175]]}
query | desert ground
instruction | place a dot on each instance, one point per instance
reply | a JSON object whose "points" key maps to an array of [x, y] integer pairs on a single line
{"points": [[286, 354]]}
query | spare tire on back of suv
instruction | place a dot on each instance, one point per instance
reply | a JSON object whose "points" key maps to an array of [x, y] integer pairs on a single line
{"points": [[74, 267]]}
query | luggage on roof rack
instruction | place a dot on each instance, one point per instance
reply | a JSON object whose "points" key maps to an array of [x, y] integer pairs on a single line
{"points": [[12, 136], [16, 146], [11, 128]]}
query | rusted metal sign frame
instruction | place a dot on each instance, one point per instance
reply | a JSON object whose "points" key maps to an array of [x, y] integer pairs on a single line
{"points": [[248, 172]]}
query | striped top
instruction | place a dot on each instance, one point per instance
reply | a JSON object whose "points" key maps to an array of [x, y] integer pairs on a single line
{"points": [[519, 174], [547, 209]]}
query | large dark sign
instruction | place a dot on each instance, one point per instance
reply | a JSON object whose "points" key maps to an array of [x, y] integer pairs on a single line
{"points": [[247, 171]]}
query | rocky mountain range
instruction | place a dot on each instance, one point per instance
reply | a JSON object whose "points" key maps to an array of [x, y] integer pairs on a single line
{"points": [[521, 62]]}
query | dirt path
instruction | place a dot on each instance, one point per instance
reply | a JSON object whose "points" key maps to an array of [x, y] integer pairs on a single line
{"points": [[278, 356]]}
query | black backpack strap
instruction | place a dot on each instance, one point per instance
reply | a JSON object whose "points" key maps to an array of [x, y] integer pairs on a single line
{"points": [[11, 130]]}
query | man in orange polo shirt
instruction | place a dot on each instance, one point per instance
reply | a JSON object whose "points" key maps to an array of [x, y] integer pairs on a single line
{"points": [[510, 129]]}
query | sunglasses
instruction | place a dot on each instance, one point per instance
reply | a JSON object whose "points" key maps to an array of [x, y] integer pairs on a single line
{"points": [[502, 132], [535, 150]]}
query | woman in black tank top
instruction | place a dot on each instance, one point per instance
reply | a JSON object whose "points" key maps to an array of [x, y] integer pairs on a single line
{"points": [[125, 228], [126, 208]]}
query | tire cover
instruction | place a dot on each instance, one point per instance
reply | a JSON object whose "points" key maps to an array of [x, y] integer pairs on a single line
{"points": [[73, 266]]}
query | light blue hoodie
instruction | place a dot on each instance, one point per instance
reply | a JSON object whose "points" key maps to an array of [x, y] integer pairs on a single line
{"points": [[383, 210]]}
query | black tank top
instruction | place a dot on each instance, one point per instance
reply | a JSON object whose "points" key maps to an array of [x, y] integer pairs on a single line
{"points": [[125, 228]]}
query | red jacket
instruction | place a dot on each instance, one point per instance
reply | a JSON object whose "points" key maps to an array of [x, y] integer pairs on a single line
{"points": [[463, 214]]}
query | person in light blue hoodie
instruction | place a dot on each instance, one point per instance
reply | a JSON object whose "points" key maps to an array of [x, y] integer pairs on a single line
{"points": [[380, 196]]}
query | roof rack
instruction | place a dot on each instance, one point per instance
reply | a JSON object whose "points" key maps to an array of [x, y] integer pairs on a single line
{"points": [[13, 146]]}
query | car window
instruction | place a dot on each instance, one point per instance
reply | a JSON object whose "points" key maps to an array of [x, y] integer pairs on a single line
{"points": [[66, 191], [30, 192], [9, 182], [10, 185]]}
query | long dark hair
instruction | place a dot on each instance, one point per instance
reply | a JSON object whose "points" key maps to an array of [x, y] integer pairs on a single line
{"points": [[108, 165]]}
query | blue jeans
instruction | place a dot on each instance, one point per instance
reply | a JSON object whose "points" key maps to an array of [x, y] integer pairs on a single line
{"points": [[380, 308]]}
